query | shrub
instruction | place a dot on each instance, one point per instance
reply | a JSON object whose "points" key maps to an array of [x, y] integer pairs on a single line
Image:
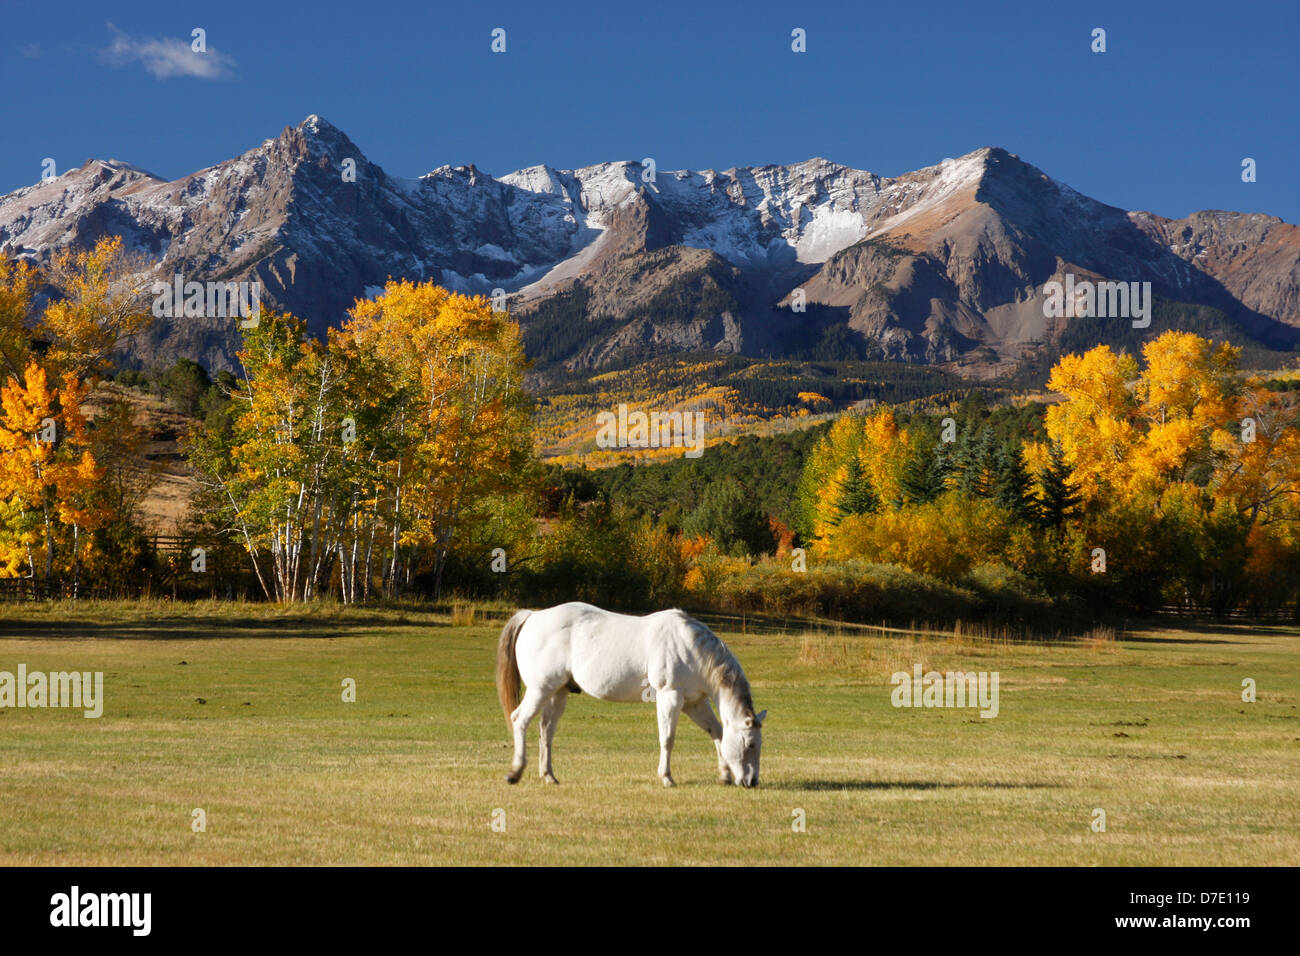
{"points": [[602, 556], [1006, 594], [850, 590]]}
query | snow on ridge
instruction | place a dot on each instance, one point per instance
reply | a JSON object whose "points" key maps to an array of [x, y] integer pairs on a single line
{"points": [[916, 193], [535, 179], [830, 231], [751, 215], [538, 223], [122, 165]]}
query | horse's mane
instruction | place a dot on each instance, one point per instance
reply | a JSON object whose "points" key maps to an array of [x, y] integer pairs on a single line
{"points": [[721, 669]]}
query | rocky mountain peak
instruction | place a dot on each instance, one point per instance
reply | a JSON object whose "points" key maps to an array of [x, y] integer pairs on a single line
{"points": [[927, 265]]}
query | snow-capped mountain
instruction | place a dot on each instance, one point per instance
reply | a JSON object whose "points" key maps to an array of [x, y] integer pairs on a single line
{"points": [[615, 261]]}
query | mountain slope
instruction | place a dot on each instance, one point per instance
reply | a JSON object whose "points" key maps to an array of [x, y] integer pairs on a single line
{"points": [[610, 264], [967, 272]]}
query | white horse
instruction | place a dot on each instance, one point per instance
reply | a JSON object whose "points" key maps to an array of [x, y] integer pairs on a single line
{"points": [[668, 657]]}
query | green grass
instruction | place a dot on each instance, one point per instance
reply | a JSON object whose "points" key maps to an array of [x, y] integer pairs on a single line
{"points": [[1151, 728]]}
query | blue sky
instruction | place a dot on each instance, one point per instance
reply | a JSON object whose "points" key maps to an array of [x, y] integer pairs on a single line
{"points": [[1161, 121]]}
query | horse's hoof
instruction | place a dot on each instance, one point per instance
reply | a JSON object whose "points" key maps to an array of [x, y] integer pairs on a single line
{"points": [[549, 778], [514, 775], [668, 781]]}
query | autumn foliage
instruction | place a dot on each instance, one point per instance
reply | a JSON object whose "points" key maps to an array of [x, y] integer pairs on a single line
{"points": [[51, 496], [1172, 480], [398, 456], [359, 459]]}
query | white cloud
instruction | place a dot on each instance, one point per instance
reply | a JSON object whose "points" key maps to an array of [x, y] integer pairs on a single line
{"points": [[167, 56]]}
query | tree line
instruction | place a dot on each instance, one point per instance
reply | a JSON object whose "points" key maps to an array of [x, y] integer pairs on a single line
{"points": [[396, 457]]}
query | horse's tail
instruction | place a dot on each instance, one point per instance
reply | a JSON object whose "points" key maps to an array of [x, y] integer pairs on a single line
{"points": [[508, 679]]}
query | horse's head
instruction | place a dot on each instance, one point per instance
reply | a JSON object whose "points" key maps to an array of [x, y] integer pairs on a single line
{"points": [[742, 739]]}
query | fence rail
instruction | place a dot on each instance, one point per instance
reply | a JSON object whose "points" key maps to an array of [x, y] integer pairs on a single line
{"points": [[1245, 615], [174, 542], [17, 590], [165, 578]]}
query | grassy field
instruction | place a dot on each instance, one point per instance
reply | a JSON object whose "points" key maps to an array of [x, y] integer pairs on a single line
{"points": [[239, 711]]}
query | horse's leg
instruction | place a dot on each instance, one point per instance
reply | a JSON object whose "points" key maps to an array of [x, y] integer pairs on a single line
{"points": [[669, 705], [700, 712], [528, 708], [551, 713]]}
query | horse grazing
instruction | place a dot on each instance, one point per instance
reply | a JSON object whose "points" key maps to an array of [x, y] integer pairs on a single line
{"points": [[668, 657]]}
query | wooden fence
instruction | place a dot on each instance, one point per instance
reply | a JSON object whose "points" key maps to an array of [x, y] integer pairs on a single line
{"points": [[17, 590], [166, 579]]}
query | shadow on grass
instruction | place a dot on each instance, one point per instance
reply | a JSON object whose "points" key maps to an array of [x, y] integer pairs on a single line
{"points": [[1159, 631], [1141, 639], [181, 627], [758, 623], [907, 785]]}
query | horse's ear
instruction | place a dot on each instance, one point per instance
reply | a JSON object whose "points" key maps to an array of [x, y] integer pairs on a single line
{"points": [[759, 718]]}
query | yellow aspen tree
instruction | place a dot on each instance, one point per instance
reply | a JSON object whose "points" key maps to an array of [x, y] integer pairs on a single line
{"points": [[1094, 424], [461, 426], [18, 284], [1258, 472], [47, 476], [104, 300], [1184, 400], [885, 451]]}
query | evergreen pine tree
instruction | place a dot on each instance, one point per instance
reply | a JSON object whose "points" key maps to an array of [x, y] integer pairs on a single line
{"points": [[926, 475], [856, 496], [1011, 483], [1058, 500], [975, 463]]}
